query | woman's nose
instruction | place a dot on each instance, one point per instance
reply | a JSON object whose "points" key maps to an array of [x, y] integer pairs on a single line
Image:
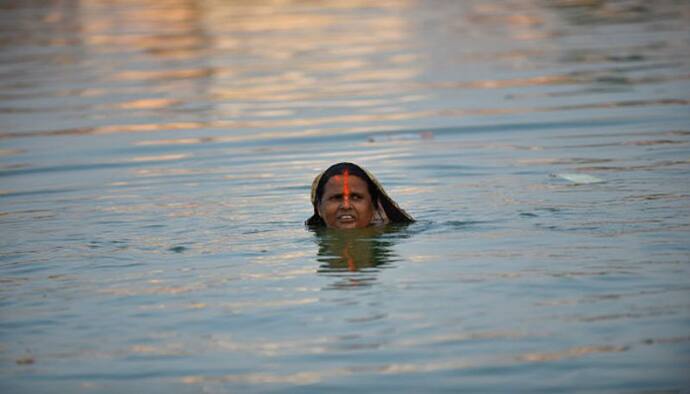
{"points": [[346, 202]]}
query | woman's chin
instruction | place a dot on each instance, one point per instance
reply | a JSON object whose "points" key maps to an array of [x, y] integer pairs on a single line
{"points": [[344, 225]]}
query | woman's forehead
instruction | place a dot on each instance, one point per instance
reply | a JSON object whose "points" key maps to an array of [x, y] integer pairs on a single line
{"points": [[337, 182]]}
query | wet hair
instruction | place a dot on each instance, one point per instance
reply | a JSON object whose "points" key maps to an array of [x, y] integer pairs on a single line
{"points": [[394, 215]]}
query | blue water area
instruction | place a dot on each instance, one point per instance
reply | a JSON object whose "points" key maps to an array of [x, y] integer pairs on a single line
{"points": [[156, 159]]}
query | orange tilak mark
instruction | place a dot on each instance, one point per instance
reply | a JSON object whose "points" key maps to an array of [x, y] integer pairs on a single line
{"points": [[346, 185]]}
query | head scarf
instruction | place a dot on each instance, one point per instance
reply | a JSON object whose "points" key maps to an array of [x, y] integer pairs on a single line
{"points": [[385, 209]]}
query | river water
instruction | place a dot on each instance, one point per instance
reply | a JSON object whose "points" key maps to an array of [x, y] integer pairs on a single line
{"points": [[155, 164]]}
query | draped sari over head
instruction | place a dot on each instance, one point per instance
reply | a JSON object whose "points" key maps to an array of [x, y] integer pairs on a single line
{"points": [[385, 209]]}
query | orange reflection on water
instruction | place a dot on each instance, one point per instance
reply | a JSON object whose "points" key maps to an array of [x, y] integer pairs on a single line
{"points": [[291, 64], [165, 157], [571, 353], [163, 75], [148, 104]]}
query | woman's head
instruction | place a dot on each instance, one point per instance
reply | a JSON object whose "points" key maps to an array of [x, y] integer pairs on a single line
{"points": [[346, 196]]}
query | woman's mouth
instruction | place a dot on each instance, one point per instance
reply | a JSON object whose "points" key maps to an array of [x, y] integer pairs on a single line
{"points": [[346, 218]]}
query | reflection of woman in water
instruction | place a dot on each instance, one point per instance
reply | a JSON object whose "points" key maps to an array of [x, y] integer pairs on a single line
{"points": [[346, 196], [354, 250]]}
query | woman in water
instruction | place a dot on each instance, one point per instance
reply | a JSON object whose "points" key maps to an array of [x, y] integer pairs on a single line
{"points": [[347, 196]]}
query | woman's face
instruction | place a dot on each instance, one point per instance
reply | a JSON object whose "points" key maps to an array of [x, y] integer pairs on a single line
{"points": [[346, 202]]}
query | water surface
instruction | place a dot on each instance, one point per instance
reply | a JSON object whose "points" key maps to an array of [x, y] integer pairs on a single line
{"points": [[155, 164]]}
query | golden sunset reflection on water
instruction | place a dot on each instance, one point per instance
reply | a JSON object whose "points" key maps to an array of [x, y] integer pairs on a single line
{"points": [[209, 67]]}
